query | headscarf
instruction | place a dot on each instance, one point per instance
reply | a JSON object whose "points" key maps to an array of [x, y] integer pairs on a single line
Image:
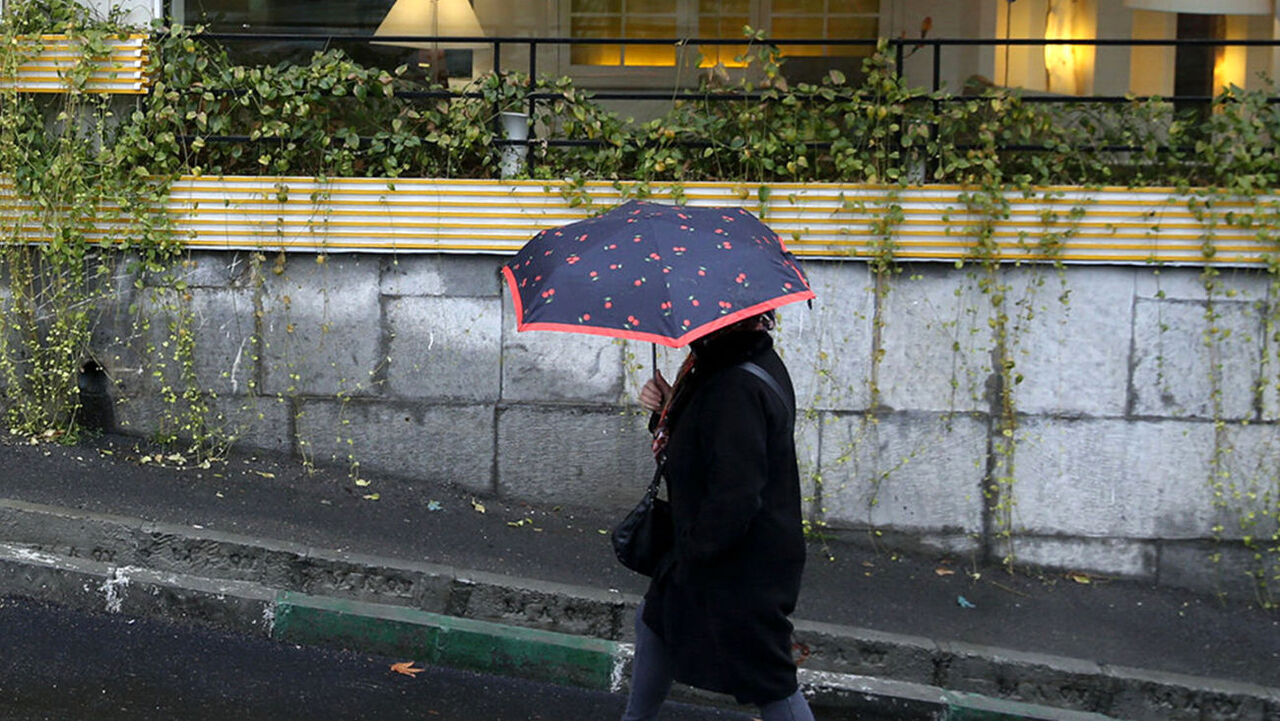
{"points": [[661, 432]]}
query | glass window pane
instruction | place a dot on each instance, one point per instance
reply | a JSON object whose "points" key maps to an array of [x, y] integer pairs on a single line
{"points": [[651, 27], [797, 27], [652, 7], [663, 55], [726, 26], [233, 15], [596, 27], [858, 7], [596, 55], [623, 18], [712, 54], [595, 6], [852, 28], [808, 7], [727, 7]]}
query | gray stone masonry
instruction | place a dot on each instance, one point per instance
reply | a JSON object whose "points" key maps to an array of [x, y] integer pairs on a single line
{"points": [[1144, 405]]}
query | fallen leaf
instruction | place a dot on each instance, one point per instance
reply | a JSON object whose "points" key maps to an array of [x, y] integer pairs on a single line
{"points": [[265, 474], [519, 523], [1079, 578], [361, 482], [406, 668], [477, 505], [372, 496], [944, 571]]}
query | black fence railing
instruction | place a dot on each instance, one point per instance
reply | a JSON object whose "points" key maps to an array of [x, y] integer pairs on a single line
{"points": [[901, 48]]}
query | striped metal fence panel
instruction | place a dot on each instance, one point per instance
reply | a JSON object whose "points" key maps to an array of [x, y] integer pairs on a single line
{"points": [[122, 72], [1068, 224]]}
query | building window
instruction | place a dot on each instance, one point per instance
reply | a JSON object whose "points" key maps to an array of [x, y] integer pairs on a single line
{"points": [[721, 19], [294, 16], [310, 17], [623, 19], [827, 19], [1195, 65]]}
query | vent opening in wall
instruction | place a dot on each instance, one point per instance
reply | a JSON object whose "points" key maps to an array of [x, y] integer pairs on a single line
{"points": [[96, 410]]}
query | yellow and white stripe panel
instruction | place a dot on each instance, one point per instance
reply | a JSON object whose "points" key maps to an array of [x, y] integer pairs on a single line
{"points": [[122, 72], [1070, 224], [816, 220]]}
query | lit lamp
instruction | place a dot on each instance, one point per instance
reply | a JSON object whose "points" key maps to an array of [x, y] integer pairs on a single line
{"points": [[433, 18], [1060, 60]]}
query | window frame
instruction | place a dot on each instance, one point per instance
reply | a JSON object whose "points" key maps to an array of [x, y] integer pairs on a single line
{"points": [[684, 73]]}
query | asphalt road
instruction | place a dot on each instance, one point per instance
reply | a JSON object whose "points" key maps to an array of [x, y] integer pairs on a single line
{"points": [[72, 666]]}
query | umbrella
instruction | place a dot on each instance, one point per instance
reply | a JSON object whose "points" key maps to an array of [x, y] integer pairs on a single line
{"points": [[660, 273]]}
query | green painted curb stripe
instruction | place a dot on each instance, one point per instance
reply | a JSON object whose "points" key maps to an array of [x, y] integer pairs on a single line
{"points": [[975, 707], [447, 640], [846, 694]]}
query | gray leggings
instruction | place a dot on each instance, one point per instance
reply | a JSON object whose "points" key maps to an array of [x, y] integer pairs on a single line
{"points": [[651, 682]]}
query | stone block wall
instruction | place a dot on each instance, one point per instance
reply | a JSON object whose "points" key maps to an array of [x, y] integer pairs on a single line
{"points": [[1145, 407]]}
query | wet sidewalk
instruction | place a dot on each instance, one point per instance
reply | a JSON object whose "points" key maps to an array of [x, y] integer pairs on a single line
{"points": [[879, 628]]}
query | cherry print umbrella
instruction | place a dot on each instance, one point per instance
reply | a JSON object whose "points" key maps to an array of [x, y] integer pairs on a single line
{"points": [[659, 273]]}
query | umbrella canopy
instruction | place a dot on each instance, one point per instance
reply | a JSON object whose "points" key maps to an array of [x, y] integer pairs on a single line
{"points": [[659, 273]]}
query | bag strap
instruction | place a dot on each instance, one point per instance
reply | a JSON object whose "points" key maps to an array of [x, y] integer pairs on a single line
{"points": [[753, 369], [769, 380], [657, 479]]}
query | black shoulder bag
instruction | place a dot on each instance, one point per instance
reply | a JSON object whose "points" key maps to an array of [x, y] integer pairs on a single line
{"points": [[644, 538], [647, 534]]}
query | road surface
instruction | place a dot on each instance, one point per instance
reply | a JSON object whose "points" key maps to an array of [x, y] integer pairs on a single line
{"points": [[73, 666]]}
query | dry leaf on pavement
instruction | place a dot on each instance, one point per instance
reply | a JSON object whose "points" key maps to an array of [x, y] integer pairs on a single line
{"points": [[406, 668]]}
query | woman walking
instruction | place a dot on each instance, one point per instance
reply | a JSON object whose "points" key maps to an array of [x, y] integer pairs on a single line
{"points": [[716, 612]]}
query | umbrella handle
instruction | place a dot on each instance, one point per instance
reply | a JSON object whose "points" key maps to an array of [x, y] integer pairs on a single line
{"points": [[654, 346]]}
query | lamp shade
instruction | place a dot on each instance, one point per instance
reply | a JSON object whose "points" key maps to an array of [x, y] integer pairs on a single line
{"points": [[1218, 7], [432, 18]]}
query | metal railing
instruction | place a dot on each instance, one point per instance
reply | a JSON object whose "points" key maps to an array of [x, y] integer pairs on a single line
{"points": [[900, 48]]}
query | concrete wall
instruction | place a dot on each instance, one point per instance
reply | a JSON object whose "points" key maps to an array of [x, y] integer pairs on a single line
{"points": [[411, 366]]}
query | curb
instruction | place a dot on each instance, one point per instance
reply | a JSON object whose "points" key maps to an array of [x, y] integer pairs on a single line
{"points": [[450, 641], [438, 639], [96, 561], [872, 699]]}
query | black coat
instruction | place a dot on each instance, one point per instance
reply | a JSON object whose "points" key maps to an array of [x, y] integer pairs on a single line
{"points": [[735, 495]]}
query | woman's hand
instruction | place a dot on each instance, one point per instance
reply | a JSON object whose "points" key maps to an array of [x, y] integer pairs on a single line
{"points": [[655, 393]]}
